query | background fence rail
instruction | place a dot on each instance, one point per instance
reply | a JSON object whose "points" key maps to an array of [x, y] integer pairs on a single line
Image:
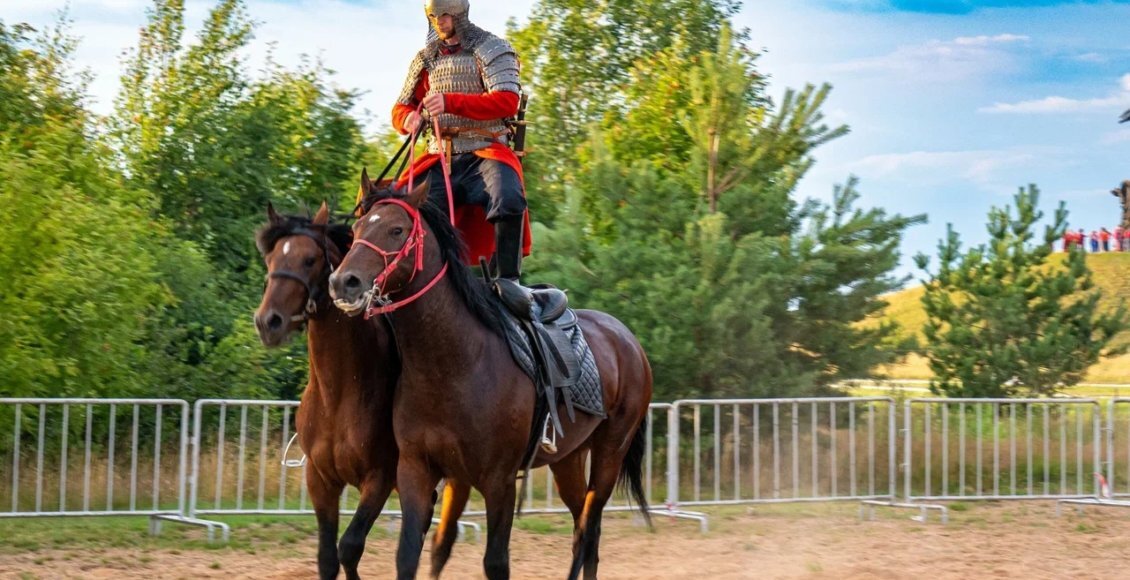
{"points": [[97, 457], [1001, 448]]}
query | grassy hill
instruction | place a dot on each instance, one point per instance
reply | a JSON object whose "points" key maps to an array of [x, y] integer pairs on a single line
{"points": [[1111, 275]]}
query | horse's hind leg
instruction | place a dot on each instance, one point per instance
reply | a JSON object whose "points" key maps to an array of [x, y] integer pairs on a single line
{"points": [[455, 496], [374, 492], [586, 539], [326, 497], [569, 474]]}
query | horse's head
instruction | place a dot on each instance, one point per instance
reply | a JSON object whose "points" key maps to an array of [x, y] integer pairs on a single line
{"points": [[391, 246], [299, 253]]}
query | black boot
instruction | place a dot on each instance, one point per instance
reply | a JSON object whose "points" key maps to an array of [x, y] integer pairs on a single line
{"points": [[508, 260], [508, 247]]}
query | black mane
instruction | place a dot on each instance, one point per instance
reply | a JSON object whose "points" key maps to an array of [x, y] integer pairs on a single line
{"points": [[478, 297], [339, 234]]}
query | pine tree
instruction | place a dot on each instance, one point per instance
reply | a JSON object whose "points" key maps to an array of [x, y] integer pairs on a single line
{"points": [[1005, 318]]}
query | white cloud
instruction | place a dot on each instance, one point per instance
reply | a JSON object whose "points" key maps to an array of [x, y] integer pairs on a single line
{"points": [[1057, 104], [369, 46], [981, 167], [938, 61], [984, 40]]}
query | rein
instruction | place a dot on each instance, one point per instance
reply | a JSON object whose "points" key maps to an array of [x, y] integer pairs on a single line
{"points": [[415, 242]]}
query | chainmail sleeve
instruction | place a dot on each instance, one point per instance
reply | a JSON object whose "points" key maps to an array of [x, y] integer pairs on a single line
{"points": [[499, 65]]}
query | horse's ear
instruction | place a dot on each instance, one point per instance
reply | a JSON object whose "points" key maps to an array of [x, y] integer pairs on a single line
{"points": [[418, 196], [323, 216], [272, 215], [366, 183]]}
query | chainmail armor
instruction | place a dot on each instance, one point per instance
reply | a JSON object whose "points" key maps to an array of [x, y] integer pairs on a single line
{"points": [[486, 63]]}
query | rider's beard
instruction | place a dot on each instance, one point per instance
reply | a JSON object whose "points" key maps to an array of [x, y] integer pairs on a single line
{"points": [[442, 34]]}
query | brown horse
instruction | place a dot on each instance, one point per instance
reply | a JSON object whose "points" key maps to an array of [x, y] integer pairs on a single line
{"points": [[463, 409], [344, 422]]}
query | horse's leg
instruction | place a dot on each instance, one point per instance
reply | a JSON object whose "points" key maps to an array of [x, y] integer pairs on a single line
{"points": [[455, 496], [569, 474], [605, 471], [500, 498], [608, 458], [326, 497], [416, 485], [374, 492]]}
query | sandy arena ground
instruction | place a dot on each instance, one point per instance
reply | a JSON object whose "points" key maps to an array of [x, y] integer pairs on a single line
{"points": [[1001, 541]]}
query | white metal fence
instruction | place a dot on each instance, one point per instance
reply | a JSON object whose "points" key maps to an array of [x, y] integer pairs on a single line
{"points": [[1001, 448], [781, 450], [100, 457]]}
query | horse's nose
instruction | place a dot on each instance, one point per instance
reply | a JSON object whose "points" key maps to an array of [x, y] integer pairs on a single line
{"points": [[270, 326], [268, 321], [345, 285]]}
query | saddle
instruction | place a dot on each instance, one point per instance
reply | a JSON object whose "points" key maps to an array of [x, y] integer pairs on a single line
{"points": [[548, 344]]}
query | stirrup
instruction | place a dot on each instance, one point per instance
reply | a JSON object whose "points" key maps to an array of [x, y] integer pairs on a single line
{"points": [[548, 443]]}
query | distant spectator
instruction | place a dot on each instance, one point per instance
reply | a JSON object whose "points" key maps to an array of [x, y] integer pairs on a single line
{"points": [[1068, 240], [1126, 240], [1094, 242], [1104, 238], [1116, 239]]}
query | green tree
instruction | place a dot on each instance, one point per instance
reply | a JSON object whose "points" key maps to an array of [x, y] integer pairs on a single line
{"points": [[679, 218], [1004, 318], [80, 280], [581, 60], [214, 146]]}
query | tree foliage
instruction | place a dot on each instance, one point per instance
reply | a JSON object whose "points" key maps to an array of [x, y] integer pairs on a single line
{"points": [[662, 179], [1004, 318], [689, 232]]}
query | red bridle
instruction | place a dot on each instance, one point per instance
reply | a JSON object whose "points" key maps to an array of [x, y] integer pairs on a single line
{"points": [[392, 260], [415, 242]]}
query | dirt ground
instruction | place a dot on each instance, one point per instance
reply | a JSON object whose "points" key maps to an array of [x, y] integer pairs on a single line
{"points": [[981, 540]]}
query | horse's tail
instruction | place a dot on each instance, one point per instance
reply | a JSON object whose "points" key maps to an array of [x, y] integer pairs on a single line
{"points": [[631, 471]]}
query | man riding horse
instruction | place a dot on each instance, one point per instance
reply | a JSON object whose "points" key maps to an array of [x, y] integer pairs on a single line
{"points": [[467, 79]]}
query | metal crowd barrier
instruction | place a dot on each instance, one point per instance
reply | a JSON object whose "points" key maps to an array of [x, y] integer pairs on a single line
{"points": [[99, 457], [961, 449], [750, 450], [245, 461]]}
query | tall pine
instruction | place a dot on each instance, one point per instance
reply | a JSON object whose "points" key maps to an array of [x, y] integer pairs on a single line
{"points": [[1006, 318]]}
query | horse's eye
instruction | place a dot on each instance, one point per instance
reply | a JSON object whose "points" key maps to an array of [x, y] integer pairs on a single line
{"points": [[310, 262], [397, 232]]}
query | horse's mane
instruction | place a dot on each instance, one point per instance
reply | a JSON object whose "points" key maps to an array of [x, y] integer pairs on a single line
{"points": [[339, 234], [478, 297]]}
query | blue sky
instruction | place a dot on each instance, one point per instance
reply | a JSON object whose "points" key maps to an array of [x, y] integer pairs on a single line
{"points": [[953, 104]]}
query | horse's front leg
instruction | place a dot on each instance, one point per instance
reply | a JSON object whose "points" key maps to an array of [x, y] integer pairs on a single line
{"points": [[374, 492], [326, 497], [416, 485], [500, 498]]}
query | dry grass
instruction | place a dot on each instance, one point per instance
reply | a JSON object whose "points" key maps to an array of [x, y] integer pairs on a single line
{"points": [[1111, 275]]}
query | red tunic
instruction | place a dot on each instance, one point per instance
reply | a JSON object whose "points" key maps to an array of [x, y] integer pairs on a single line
{"points": [[469, 219]]}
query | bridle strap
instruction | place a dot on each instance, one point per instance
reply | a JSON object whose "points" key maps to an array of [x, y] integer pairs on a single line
{"points": [[392, 260], [313, 293], [392, 307]]}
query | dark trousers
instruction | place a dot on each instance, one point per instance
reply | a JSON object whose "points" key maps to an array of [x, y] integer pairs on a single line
{"points": [[490, 184]]}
